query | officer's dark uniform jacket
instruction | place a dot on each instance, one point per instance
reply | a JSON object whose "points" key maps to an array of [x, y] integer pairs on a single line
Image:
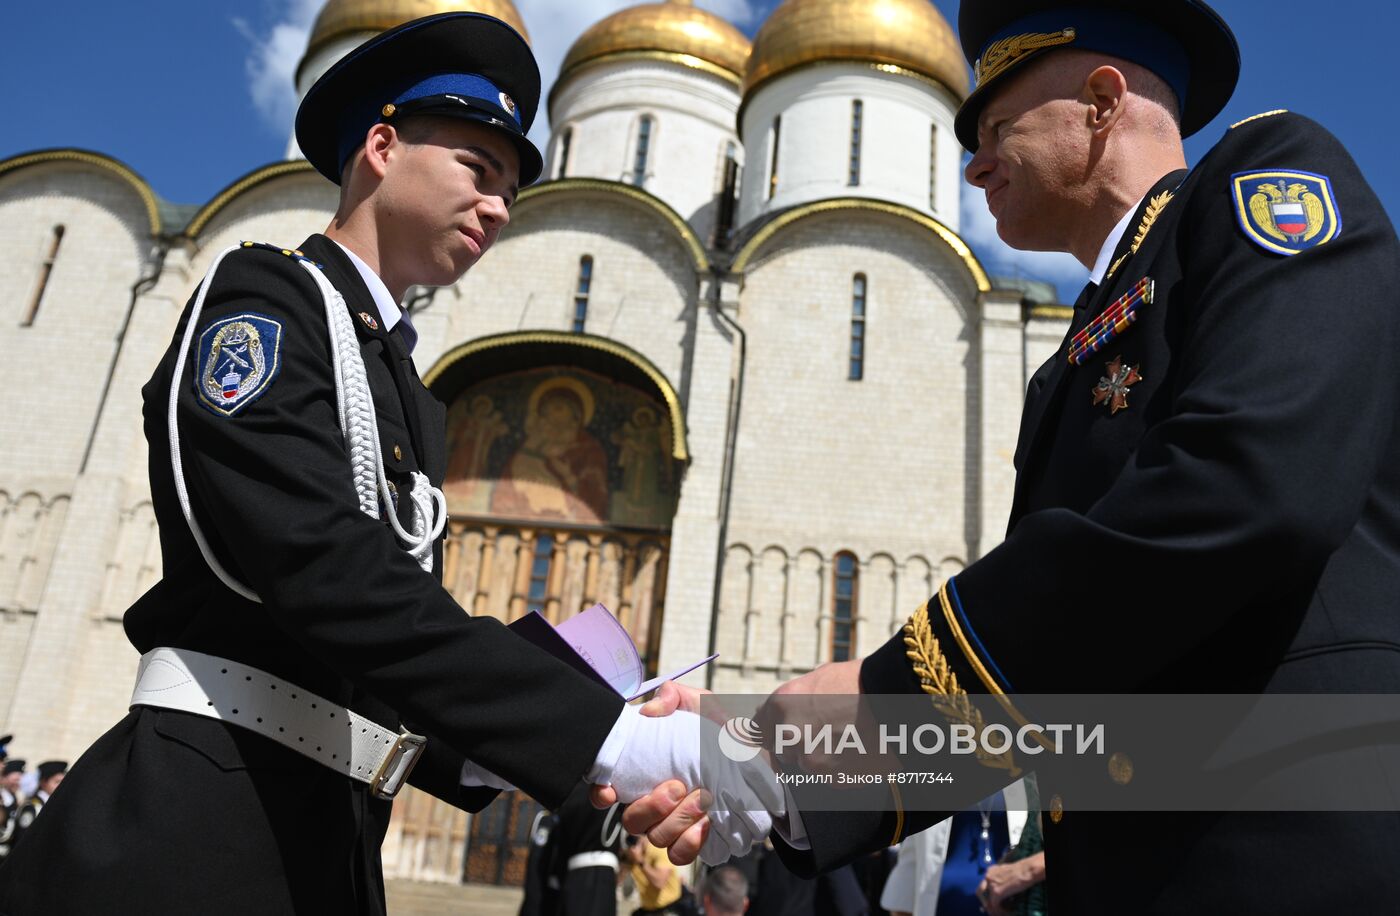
{"points": [[1234, 529], [173, 813]]}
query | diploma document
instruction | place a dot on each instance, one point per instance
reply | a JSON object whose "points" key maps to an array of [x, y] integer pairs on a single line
{"points": [[596, 645]]}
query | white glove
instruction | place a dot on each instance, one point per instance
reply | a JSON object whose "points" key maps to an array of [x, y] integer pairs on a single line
{"points": [[642, 752], [474, 776]]}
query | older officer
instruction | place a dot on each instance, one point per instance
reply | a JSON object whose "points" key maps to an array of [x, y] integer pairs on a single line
{"points": [[1208, 471], [295, 458]]}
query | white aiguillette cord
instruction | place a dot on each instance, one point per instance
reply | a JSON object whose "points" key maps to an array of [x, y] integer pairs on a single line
{"points": [[358, 424]]}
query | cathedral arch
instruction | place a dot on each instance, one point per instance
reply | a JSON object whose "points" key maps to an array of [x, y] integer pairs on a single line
{"points": [[565, 459], [488, 356], [551, 191], [105, 164], [945, 237], [212, 219]]}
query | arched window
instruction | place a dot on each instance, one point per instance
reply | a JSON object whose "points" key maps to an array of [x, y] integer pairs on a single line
{"points": [[858, 292], [45, 270], [566, 142], [843, 610], [773, 160], [933, 167], [539, 572], [639, 162], [857, 113], [585, 282]]}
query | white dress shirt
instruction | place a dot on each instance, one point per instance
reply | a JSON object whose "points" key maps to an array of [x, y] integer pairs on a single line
{"points": [[390, 314], [1110, 245]]}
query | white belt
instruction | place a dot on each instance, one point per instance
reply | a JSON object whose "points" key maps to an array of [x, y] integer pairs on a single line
{"points": [[217, 688], [593, 860]]}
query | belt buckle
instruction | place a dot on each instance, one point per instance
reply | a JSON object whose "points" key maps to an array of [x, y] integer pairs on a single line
{"points": [[408, 745]]}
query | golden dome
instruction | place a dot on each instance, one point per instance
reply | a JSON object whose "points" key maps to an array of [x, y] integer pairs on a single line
{"points": [[673, 27], [339, 18], [909, 34]]}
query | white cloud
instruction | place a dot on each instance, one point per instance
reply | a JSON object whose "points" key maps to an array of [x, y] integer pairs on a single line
{"points": [[272, 62], [979, 229], [553, 25]]}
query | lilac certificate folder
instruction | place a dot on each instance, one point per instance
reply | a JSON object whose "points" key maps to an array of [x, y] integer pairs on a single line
{"points": [[596, 645]]}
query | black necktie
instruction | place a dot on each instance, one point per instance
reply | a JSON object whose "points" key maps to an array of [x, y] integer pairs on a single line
{"points": [[1081, 308]]}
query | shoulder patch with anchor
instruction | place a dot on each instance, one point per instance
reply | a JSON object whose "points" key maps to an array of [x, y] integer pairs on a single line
{"points": [[1286, 212], [239, 358]]}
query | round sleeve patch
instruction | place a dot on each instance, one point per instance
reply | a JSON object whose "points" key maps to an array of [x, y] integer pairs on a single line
{"points": [[239, 358]]}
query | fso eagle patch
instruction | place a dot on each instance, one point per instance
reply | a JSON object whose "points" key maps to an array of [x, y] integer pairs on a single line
{"points": [[239, 358], [1286, 212]]}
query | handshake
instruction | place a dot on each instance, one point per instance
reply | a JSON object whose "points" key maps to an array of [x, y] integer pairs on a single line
{"points": [[652, 759], [652, 762]]}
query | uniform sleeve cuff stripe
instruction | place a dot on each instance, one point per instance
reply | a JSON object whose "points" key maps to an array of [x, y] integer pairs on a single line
{"points": [[963, 628]]}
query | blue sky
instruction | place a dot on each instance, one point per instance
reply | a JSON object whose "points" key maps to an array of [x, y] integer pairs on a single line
{"points": [[193, 94]]}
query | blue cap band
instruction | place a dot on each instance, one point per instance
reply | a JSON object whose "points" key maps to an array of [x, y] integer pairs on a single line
{"points": [[468, 86], [1120, 34]]}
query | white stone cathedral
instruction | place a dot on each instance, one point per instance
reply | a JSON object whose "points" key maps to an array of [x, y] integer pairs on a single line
{"points": [[779, 392]]}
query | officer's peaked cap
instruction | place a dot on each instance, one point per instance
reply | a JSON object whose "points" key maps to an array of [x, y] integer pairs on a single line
{"points": [[1184, 42], [461, 65]]}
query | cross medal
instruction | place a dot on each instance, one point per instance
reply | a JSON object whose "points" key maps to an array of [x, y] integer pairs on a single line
{"points": [[1113, 388]]}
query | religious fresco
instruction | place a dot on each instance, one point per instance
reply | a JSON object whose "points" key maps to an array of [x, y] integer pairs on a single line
{"points": [[561, 445]]}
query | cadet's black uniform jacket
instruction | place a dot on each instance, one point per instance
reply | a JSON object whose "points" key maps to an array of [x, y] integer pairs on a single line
{"points": [[26, 813], [172, 813], [1234, 529], [9, 821]]}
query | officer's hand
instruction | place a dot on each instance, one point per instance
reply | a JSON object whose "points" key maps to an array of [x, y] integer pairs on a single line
{"points": [[830, 679]]}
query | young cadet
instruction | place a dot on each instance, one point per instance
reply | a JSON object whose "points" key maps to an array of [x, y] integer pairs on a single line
{"points": [[301, 659], [50, 773], [1208, 472], [11, 772]]}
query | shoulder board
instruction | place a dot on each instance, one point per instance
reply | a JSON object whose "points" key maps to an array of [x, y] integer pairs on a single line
{"points": [[292, 253], [1258, 117]]}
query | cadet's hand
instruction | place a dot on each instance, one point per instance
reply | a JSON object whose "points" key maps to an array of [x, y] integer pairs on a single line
{"points": [[669, 697], [672, 817], [745, 796]]}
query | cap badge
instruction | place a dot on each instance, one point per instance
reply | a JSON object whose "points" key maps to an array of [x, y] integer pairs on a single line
{"points": [[1113, 389], [1001, 55], [508, 104], [388, 110], [369, 321], [1286, 212]]}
